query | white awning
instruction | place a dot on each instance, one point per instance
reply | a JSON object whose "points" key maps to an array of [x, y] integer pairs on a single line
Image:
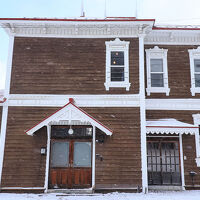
{"points": [[170, 126]]}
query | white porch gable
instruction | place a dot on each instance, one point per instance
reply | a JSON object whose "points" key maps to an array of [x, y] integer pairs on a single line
{"points": [[170, 126], [70, 114]]}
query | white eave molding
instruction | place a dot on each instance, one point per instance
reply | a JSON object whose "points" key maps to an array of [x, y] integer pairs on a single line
{"points": [[77, 28], [69, 113], [173, 37]]}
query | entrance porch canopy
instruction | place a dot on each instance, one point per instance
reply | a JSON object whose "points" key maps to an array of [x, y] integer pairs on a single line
{"points": [[173, 126], [170, 126], [70, 114]]}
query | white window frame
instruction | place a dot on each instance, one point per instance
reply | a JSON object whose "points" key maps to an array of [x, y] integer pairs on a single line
{"points": [[117, 45], [157, 53], [194, 54], [196, 119]]}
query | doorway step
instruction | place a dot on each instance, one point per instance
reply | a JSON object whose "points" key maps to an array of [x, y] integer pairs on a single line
{"points": [[157, 188], [71, 191]]}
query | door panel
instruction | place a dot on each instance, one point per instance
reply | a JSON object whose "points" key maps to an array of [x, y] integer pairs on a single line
{"points": [[70, 165], [60, 154], [82, 154]]}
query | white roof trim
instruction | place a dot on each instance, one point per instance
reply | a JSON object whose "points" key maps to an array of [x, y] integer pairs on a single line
{"points": [[69, 113], [170, 126]]}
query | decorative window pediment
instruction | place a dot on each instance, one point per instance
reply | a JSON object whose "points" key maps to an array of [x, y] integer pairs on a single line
{"points": [[117, 64], [157, 73], [195, 70]]}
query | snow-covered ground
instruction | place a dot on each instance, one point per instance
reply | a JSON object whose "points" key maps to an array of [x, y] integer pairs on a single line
{"points": [[185, 195]]}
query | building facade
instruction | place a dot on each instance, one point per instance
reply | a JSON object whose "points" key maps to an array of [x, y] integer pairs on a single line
{"points": [[100, 104]]}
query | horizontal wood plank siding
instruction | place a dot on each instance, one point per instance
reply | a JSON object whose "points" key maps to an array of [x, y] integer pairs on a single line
{"points": [[189, 146], [66, 66], [121, 152], [178, 72]]}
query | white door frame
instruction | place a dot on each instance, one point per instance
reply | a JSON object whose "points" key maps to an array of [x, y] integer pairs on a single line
{"points": [[48, 157]]}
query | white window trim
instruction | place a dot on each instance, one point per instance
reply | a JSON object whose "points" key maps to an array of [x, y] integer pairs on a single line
{"points": [[117, 45], [194, 54], [157, 53], [196, 119]]}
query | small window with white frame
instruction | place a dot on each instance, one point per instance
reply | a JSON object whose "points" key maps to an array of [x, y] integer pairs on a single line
{"points": [[157, 73], [195, 70], [117, 64]]}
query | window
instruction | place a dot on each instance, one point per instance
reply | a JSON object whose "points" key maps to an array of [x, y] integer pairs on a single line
{"points": [[195, 70], [117, 64], [157, 73]]}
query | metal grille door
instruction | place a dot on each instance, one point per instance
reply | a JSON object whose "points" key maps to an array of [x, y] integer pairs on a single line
{"points": [[163, 163]]}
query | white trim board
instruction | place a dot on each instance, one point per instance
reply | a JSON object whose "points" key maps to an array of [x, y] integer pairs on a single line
{"points": [[143, 116], [75, 28], [173, 104], [80, 100]]}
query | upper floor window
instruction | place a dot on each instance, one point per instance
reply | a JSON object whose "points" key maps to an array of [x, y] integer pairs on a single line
{"points": [[117, 64], [195, 70], [157, 73]]}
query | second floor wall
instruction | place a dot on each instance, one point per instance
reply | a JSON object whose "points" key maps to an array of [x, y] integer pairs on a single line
{"points": [[79, 66], [68, 66], [175, 71]]}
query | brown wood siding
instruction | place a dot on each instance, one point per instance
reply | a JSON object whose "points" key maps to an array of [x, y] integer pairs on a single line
{"points": [[189, 147], [66, 66], [178, 72], [190, 163], [121, 152]]}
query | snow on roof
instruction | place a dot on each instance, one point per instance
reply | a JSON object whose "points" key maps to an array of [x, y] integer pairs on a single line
{"points": [[1, 94], [170, 122], [77, 19], [175, 27], [170, 126]]}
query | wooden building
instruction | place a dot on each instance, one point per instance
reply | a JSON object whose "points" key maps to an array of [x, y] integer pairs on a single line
{"points": [[100, 104]]}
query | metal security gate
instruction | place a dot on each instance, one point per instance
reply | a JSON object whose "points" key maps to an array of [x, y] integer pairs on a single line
{"points": [[163, 162]]}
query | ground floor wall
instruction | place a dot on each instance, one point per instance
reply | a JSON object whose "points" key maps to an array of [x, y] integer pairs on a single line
{"points": [[120, 166], [189, 147]]}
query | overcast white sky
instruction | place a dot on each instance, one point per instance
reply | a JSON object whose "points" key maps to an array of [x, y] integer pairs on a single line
{"points": [[164, 11]]}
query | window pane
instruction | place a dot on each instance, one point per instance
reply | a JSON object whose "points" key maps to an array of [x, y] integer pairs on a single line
{"points": [[156, 65], [197, 80], [157, 80], [117, 58], [117, 73], [197, 65], [60, 154], [82, 154]]}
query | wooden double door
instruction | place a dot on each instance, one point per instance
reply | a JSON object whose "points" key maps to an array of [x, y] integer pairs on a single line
{"points": [[70, 164]]}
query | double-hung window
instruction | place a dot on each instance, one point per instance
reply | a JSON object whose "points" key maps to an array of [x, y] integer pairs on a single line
{"points": [[195, 70], [117, 64], [157, 73]]}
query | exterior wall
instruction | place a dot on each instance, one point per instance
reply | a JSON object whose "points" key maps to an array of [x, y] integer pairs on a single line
{"points": [[66, 66], [23, 165], [121, 165], [121, 152], [189, 147], [190, 163], [178, 72]]}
